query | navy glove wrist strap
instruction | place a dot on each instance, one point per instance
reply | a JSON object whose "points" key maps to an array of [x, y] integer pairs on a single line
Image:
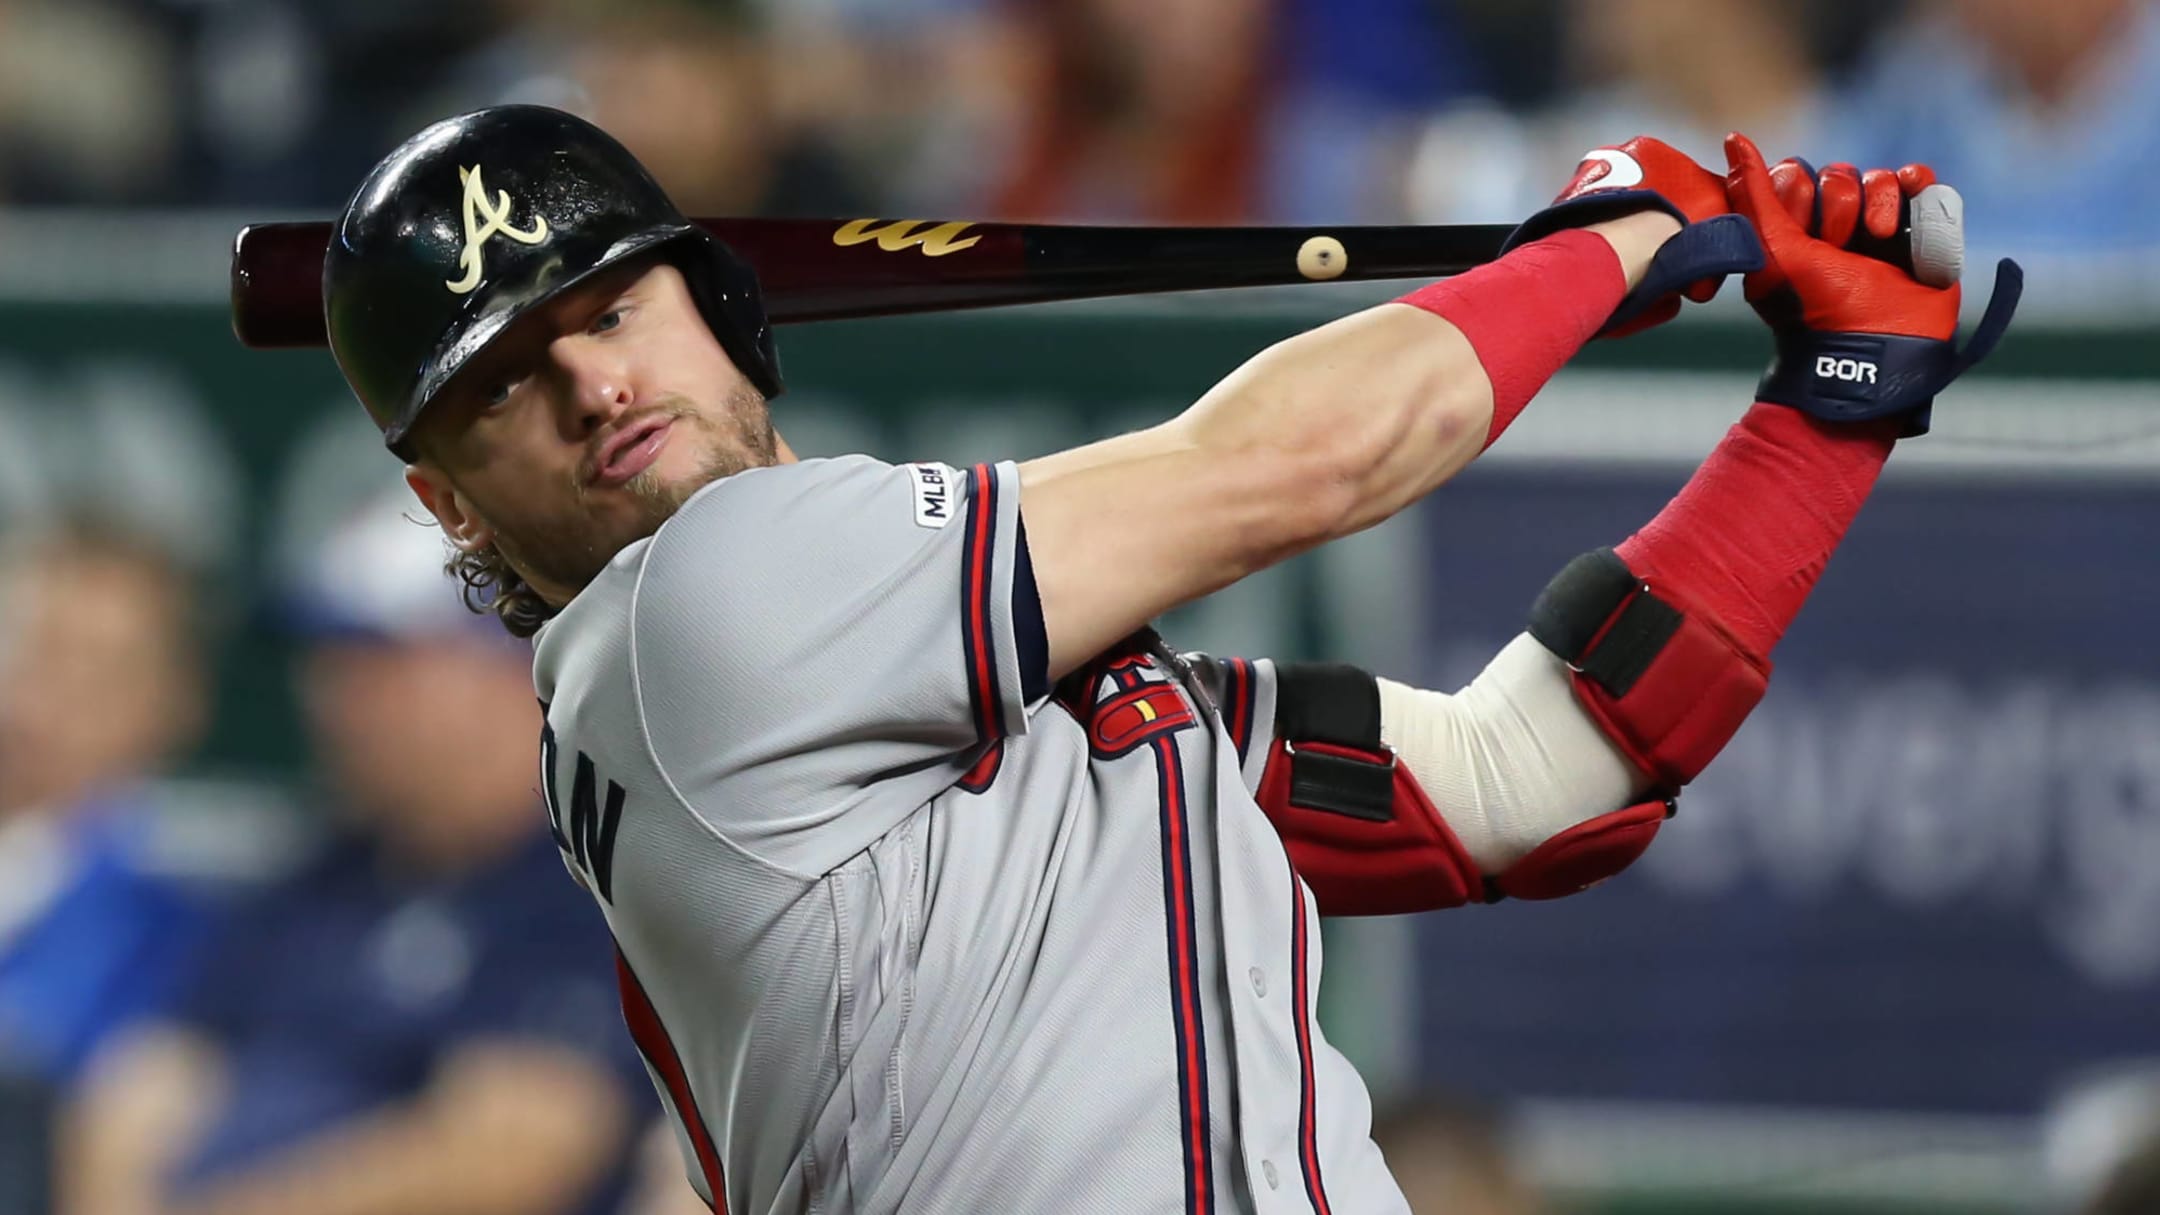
{"points": [[1855, 377], [1583, 210], [1714, 248]]}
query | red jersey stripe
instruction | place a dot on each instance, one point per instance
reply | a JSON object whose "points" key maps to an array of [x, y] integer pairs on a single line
{"points": [[975, 603], [652, 1042], [1308, 1127]]}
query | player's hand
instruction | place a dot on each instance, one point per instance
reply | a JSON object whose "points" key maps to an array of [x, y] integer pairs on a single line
{"points": [[1868, 213], [1836, 201], [1649, 174], [1858, 337]]}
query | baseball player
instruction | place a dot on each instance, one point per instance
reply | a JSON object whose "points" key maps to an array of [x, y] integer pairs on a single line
{"points": [[939, 881]]}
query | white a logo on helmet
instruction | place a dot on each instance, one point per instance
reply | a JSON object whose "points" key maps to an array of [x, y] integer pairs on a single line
{"points": [[1605, 169], [484, 219]]}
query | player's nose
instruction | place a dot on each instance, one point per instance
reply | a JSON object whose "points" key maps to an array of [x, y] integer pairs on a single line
{"points": [[597, 380]]}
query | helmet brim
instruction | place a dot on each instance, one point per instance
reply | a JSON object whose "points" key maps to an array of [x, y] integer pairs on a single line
{"points": [[472, 341]]}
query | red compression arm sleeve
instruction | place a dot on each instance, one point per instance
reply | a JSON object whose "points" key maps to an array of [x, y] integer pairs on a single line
{"points": [[1529, 312], [1751, 531]]}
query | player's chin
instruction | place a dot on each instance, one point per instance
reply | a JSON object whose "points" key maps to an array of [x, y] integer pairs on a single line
{"points": [[635, 507], [682, 461], [695, 461]]}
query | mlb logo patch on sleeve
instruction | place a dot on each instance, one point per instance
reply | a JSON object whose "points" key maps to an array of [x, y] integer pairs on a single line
{"points": [[933, 493]]}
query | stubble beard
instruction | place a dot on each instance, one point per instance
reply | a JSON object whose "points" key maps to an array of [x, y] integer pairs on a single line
{"points": [[569, 553]]}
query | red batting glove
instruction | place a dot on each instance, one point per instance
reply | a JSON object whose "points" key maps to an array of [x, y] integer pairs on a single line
{"points": [[1623, 178], [1868, 213], [1688, 191], [1645, 173], [1858, 337]]}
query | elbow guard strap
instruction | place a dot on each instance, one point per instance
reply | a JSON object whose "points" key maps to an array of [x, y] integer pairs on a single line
{"points": [[1663, 680], [1366, 836], [1358, 826]]}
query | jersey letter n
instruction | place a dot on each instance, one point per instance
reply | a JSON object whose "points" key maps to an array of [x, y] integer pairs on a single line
{"points": [[588, 838]]}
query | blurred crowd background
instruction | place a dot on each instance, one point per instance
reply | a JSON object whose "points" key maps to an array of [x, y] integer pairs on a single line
{"points": [[358, 981], [1174, 111]]}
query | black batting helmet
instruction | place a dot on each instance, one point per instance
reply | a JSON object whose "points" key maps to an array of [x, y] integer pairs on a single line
{"points": [[478, 218]]}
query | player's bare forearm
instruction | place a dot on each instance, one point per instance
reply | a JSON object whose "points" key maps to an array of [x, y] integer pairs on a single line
{"points": [[1319, 436]]}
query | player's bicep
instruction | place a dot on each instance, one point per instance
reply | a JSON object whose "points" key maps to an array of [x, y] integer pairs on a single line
{"points": [[1319, 435], [826, 623]]}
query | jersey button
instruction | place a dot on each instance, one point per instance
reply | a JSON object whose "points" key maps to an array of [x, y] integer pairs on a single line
{"points": [[1259, 981], [1267, 1170]]}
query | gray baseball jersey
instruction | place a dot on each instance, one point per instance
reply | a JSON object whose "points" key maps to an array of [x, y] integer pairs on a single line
{"points": [[899, 929]]}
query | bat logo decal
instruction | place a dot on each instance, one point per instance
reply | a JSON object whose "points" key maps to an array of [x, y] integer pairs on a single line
{"points": [[497, 223], [936, 239]]}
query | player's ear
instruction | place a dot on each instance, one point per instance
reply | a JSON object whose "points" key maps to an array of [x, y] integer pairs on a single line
{"points": [[455, 516]]}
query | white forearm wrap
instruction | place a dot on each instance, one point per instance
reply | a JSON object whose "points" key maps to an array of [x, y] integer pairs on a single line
{"points": [[1512, 759]]}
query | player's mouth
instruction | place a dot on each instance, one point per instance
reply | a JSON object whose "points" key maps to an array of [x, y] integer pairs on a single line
{"points": [[630, 451]]}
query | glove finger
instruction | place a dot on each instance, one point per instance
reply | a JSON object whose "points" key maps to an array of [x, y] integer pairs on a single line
{"points": [[1747, 185], [1794, 182], [1915, 178], [1838, 195], [1704, 291], [1882, 204]]}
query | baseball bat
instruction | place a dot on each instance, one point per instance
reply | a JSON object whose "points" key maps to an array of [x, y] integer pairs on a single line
{"points": [[821, 269]]}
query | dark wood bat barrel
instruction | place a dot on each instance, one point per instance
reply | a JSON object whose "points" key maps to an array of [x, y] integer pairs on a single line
{"points": [[823, 269]]}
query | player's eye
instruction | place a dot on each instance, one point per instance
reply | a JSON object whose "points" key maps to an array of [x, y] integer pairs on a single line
{"points": [[610, 319], [498, 395]]}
